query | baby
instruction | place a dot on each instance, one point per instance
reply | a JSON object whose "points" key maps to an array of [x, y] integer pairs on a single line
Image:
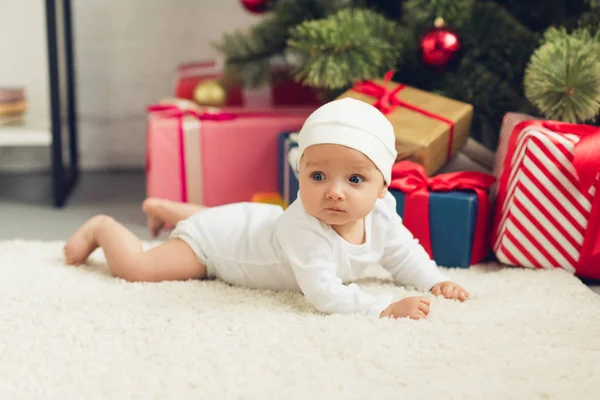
{"points": [[343, 220]]}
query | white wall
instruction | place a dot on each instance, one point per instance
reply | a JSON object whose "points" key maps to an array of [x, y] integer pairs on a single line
{"points": [[126, 52]]}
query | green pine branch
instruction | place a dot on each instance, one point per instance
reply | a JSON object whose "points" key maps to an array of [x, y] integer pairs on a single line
{"points": [[248, 54], [562, 79], [351, 45], [453, 12], [590, 21], [293, 12]]}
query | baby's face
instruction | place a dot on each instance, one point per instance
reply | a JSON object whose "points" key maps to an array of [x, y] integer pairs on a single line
{"points": [[338, 184]]}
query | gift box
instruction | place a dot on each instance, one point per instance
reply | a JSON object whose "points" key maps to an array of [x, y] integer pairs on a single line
{"points": [[287, 149], [547, 204], [189, 75], [449, 213], [429, 128], [281, 91], [214, 157]]}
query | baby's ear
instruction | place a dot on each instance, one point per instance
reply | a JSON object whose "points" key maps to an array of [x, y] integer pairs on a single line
{"points": [[384, 191]]}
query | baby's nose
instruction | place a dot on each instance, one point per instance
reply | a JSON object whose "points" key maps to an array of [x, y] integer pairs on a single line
{"points": [[335, 192]]}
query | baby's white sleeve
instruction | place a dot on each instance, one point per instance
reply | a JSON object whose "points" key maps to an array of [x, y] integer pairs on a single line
{"points": [[404, 257], [313, 262]]}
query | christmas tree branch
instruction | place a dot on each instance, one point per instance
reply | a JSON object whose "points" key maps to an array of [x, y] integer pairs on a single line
{"points": [[249, 54], [350, 45], [590, 21], [453, 12], [563, 77]]}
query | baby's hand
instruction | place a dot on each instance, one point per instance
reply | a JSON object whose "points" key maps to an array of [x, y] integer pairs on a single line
{"points": [[412, 307], [450, 290]]}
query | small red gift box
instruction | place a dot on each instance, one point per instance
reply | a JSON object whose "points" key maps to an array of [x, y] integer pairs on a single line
{"points": [[281, 91]]}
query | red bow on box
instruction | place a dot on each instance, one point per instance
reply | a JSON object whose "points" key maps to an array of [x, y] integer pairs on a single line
{"points": [[586, 161], [410, 178], [208, 114], [387, 101]]}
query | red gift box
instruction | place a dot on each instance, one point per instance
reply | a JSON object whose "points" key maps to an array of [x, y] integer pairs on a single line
{"points": [[281, 91], [547, 211]]}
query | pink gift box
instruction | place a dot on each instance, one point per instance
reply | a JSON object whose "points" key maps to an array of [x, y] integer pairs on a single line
{"points": [[547, 205], [215, 157]]}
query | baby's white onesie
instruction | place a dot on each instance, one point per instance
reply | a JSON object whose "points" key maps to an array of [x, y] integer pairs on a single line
{"points": [[261, 246]]}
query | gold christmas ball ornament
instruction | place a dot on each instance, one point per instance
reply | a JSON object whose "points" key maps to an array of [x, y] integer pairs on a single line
{"points": [[210, 93]]}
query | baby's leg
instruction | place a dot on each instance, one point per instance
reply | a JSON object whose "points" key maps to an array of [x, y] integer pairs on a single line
{"points": [[172, 260], [162, 211]]}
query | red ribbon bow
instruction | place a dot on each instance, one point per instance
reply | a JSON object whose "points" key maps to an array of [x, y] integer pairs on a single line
{"points": [[410, 178], [174, 111], [215, 114], [387, 101], [586, 161]]}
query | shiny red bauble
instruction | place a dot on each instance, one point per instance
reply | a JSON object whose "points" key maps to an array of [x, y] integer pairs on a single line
{"points": [[439, 47]]}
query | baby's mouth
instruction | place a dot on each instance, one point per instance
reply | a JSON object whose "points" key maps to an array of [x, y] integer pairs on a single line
{"points": [[335, 209]]}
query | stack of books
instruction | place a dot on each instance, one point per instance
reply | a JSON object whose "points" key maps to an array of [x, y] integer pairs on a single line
{"points": [[13, 105]]}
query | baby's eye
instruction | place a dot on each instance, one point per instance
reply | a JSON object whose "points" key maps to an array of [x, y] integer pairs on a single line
{"points": [[318, 176], [356, 179]]}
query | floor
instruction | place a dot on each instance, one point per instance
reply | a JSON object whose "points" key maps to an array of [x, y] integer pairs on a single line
{"points": [[26, 203], [27, 213]]}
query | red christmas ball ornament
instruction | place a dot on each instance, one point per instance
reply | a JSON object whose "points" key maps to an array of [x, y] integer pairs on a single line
{"points": [[256, 6], [439, 47]]}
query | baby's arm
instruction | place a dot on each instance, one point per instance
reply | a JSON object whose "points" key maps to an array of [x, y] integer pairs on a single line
{"points": [[404, 257], [311, 258]]}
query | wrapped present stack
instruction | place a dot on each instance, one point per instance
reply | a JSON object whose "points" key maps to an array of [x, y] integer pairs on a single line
{"points": [[547, 207], [214, 156], [433, 149], [13, 105]]}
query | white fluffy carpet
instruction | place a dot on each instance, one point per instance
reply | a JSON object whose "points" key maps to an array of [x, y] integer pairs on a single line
{"points": [[78, 333]]}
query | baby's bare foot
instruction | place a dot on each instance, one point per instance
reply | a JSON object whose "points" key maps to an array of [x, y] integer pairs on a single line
{"points": [[83, 242], [154, 223]]}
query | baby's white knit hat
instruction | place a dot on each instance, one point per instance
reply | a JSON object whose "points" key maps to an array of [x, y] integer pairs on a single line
{"points": [[355, 124]]}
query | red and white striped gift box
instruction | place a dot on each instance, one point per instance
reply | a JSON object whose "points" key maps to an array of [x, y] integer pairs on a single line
{"points": [[544, 214]]}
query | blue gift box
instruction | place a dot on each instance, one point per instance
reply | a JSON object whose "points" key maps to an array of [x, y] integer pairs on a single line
{"points": [[452, 220], [288, 181]]}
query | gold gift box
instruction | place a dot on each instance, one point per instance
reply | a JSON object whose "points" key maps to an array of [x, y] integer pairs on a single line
{"points": [[421, 138]]}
